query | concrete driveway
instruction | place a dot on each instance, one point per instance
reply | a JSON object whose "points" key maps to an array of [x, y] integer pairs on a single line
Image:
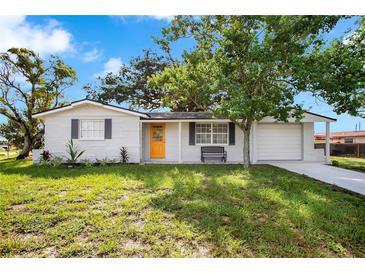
{"points": [[348, 179]]}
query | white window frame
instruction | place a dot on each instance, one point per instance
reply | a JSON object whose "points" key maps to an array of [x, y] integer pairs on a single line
{"points": [[92, 120], [211, 134]]}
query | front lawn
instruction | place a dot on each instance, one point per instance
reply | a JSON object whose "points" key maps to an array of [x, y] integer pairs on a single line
{"points": [[357, 164], [12, 154], [174, 211]]}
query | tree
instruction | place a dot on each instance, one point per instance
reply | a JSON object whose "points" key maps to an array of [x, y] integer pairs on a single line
{"points": [[190, 85], [262, 63], [29, 84], [12, 132], [129, 85], [337, 73]]}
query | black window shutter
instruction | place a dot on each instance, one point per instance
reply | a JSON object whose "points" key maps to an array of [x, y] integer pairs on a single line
{"points": [[232, 135], [74, 128], [192, 133], [108, 129]]}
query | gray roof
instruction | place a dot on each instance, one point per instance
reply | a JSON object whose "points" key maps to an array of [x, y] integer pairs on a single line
{"points": [[180, 115], [197, 116], [167, 115]]}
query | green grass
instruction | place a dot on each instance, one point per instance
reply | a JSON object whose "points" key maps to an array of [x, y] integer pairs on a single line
{"points": [[174, 211], [357, 164], [12, 154]]}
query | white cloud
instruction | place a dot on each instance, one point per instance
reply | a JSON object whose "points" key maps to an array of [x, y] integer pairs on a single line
{"points": [[141, 18], [50, 38], [348, 39], [91, 56], [167, 18], [112, 65]]}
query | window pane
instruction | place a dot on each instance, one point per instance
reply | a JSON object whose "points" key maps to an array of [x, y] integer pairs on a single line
{"points": [[157, 133], [92, 129], [203, 138], [203, 128], [219, 128], [219, 138], [220, 133]]}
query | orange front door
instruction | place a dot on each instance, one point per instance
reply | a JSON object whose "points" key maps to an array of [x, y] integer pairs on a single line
{"points": [[157, 141]]}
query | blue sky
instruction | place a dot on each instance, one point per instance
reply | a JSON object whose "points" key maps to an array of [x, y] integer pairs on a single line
{"points": [[95, 44]]}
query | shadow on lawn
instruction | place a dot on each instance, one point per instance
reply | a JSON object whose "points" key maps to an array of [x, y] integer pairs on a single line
{"points": [[260, 212], [273, 214]]}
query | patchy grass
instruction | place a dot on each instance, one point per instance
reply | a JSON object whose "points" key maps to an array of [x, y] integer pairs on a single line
{"points": [[174, 211], [357, 164], [12, 154]]}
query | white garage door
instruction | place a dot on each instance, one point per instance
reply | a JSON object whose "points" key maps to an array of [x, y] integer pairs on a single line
{"points": [[279, 142]]}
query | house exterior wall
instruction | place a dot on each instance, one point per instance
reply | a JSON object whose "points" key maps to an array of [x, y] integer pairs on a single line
{"points": [[171, 143], [190, 154], [125, 132], [309, 153], [131, 132], [356, 140]]}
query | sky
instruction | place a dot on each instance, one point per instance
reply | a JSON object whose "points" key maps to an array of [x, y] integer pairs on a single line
{"points": [[93, 45]]}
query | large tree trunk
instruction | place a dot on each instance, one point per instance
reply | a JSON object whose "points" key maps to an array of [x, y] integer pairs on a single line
{"points": [[26, 148], [246, 146]]}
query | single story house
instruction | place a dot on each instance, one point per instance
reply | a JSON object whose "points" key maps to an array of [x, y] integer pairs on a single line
{"points": [[173, 137], [342, 137]]}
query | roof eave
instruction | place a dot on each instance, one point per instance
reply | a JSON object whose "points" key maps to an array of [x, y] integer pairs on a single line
{"points": [[88, 101]]}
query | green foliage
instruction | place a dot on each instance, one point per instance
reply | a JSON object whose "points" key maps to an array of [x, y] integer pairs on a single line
{"points": [[337, 73], [56, 161], [14, 133], [46, 155], [124, 155], [357, 164], [43, 162], [174, 211], [105, 161], [87, 162], [30, 84], [189, 86], [256, 65], [129, 85], [335, 163], [74, 153]]}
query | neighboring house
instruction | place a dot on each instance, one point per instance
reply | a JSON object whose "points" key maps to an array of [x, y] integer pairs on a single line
{"points": [[172, 137], [6, 147], [343, 137]]}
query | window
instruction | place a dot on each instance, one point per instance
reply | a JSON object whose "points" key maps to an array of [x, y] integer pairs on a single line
{"points": [[91, 129], [349, 140], [211, 133]]}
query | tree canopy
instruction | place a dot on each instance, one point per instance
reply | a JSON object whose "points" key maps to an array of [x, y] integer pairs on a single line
{"points": [[189, 85], [262, 62], [30, 84], [129, 85]]}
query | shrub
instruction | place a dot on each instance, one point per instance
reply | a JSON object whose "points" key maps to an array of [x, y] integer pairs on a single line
{"points": [[87, 163], [73, 152], [335, 163], [56, 161], [44, 162], [104, 161], [124, 155], [46, 155]]}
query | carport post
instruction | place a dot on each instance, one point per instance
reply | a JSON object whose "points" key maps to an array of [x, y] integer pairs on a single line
{"points": [[328, 152], [180, 149]]}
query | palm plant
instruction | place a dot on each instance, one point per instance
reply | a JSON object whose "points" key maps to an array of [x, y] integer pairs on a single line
{"points": [[124, 155], [73, 152]]}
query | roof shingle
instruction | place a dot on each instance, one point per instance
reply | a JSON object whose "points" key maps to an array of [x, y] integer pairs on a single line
{"points": [[181, 115]]}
